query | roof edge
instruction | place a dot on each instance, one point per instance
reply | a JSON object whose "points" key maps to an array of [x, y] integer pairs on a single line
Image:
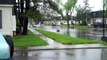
{"points": [[9, 5]]}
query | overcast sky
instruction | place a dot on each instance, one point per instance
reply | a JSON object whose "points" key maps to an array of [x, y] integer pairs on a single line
{"points": [[95, 4]]}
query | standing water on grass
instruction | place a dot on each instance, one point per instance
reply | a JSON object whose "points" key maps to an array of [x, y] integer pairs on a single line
{"points": [[91, 33]]}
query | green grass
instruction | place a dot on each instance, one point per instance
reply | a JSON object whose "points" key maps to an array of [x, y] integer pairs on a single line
{"points": [[77, 26], [104, 43], [48, 24], [28, 40], [66, 39]]}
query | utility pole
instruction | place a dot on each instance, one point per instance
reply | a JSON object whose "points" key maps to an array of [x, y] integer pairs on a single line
{"points": [[104, 38], [103, 19]]}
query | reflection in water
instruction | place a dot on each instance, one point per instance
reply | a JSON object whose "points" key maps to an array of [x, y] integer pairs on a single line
{"points": [[104, 54], [74, 54], [95, 34], [68, 32]]}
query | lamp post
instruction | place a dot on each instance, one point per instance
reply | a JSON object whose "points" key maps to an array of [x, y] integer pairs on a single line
{"points": [[104, 38], [103, 20]]}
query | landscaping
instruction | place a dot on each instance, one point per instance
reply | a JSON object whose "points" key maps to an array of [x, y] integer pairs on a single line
{"points": [[28, 40], [64, 39], [77, 26]]}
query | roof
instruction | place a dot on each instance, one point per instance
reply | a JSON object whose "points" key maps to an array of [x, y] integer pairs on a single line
{"points": [[97, 14], [6, 1]]}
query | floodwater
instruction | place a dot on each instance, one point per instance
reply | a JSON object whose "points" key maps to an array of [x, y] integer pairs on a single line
{"points": [[53, 44], [93, 33], [45, 52], [73, 54]]}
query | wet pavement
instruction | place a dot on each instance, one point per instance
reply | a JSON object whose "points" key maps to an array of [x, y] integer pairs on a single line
{"points": [[72, 54]]}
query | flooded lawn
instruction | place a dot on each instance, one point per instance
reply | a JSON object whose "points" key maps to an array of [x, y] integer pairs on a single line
{"points": [[92, 33]]}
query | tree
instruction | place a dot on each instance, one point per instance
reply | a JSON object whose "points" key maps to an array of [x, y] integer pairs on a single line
{"points": [[47, 9], [80, 14], [86, 10], [83, 13], [25, 21], [55, 6], [21, 14], [69, 7], [23, 11], [105, 7], [34, 13]]}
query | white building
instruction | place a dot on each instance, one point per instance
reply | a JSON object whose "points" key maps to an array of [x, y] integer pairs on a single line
{"points": [[7, 20], [97, 16]]}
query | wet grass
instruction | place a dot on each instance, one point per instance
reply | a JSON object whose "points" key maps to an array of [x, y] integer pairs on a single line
{"points": [[104, 43], [64, 39], [48, 24], [77, 26], [28, 40]]}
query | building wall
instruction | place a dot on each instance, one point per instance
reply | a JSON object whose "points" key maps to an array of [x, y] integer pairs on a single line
{"points": [[99, 20], [7, 22], [96, 20]]}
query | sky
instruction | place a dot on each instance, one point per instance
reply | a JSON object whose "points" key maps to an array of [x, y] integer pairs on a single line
{"points": [[94, 4]]}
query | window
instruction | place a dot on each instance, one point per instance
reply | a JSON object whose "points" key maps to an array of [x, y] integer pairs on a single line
{"points": [[0, 19]]}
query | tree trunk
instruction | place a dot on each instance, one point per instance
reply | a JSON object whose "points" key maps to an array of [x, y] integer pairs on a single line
{"points": [[67, 23], [25, 18], [25, 24], [84, 22], [67, 20], [21, 23], [21, 15], [25, 21]]}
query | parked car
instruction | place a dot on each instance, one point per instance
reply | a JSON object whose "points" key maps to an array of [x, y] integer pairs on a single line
{"points": [[98, 24], [105, 25], [6, 47]]}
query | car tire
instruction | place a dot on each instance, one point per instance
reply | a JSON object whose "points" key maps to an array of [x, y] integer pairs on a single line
{"points": [[10, 43]]}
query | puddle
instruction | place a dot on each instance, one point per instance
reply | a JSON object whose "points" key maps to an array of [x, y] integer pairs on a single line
{"points": [[73, 54], [92, 33]]}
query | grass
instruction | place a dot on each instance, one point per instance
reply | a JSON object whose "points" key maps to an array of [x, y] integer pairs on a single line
{"points": [[64, 39], [28, 40], [77, 26], [48, 24]]}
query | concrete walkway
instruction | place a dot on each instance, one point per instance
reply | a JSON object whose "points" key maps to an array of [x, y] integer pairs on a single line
{"points": [[53, 45]]}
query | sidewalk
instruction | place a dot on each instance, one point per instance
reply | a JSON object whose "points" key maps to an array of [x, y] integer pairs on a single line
{"points": [[53, 45]]}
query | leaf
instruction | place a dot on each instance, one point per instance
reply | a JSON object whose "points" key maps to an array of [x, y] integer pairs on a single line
{"points": [[69, 4]]}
